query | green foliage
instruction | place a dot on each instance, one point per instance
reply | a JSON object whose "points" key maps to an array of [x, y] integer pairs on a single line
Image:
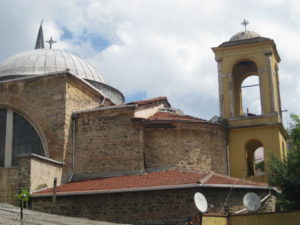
{"points": [[286, 174], [24, 195], [260, 166]]}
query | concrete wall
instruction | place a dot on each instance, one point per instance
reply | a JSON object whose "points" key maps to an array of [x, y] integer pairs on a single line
{"points": [[8, 184], [107, 143], [269, 136], [197, 147], [147, 207], [279, 218], [36, 172]]}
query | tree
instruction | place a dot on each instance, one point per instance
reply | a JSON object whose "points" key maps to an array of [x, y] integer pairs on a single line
{"points": [[286, 174], [23, 197]]}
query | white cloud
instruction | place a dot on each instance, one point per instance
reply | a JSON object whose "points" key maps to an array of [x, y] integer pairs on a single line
{"points": [[161, 47]]}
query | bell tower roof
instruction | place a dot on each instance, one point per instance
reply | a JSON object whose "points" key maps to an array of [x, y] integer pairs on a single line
{"points": [[244, 35]]}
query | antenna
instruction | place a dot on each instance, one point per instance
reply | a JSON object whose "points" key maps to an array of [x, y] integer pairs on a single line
{"points": [[200, 202], [252, 201]]}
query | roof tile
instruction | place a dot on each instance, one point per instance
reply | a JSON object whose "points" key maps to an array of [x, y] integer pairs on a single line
{"points": [[174, 116], [150, 101], [155, 179]]}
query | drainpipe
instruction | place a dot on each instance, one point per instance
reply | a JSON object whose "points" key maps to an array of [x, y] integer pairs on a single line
{"points": [[227, 151], [74, 117], [228, 159]]}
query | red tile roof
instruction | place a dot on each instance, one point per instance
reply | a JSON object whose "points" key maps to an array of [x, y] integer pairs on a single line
{"points": [[151, 101], [148, 180], [174, 116]]}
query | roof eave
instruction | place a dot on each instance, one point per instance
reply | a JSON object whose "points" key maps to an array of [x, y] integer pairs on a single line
{"points": [[157, 188]]}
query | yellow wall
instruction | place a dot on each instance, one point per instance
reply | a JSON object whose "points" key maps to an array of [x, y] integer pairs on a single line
{"points": [[255, 53], [214, 220], [269, 136], [281, 218], [286, 218], [267, 127]]}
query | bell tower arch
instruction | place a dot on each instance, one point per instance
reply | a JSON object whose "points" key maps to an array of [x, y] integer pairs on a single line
{"points": [[247, 55]]}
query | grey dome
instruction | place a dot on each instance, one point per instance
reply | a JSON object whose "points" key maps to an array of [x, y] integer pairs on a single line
{"points": [[43, 61], [244, 35]]}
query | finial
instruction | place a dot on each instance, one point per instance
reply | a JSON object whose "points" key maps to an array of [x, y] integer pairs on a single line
{"points": [[40, 38], [51, 42], [245, 23]]}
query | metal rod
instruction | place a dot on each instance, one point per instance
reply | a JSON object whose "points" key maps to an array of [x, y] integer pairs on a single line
{"points": [[54, 196], [253, 85]]}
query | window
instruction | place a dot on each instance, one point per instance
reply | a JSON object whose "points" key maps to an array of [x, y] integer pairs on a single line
{"points": [[251, 103], [17, 136], [255, 158], [2, 135], [246, 89]]}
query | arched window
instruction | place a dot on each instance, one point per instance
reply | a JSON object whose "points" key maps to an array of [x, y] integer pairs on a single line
{"points": [[251, 102], [259, 161], [246, 89], [254, 158], [17, 136]]}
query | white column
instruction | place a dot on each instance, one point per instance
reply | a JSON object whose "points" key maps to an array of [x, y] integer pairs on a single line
{"points": [[271, 80], [8, 139], [221, 94], [262, 100]]}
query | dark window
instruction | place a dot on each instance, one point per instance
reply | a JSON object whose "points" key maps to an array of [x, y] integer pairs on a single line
{"points": [[25, 138], [2, 135]]}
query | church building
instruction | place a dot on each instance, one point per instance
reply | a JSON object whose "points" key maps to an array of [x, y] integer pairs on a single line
{"points": [[135, 162]]}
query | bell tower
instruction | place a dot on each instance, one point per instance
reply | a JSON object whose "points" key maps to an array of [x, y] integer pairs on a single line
{"points": [[253, 137]]}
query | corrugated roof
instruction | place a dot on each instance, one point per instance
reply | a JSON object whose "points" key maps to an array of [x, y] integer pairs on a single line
{"points": [[147, 180]]}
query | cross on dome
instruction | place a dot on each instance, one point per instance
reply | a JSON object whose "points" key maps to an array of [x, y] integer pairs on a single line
{"points": [[51, 42], [245, 23]]}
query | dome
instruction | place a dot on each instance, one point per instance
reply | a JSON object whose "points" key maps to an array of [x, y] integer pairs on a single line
{"points": [[43, 61], [244, 35]]}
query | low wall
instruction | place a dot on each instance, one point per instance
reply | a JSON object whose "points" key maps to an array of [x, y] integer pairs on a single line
{"points": [[278, 218], [37, 172], [174, 206]]}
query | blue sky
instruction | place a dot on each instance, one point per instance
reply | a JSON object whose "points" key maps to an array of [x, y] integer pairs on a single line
{"points": [[159, 47]]}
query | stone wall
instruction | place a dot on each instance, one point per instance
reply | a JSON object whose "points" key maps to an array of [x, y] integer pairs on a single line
{"points": [[107, 143], [9, 184], [195, 146], [47, 103], [42, 102], [36, 172], [146, 207], [78, 97]]}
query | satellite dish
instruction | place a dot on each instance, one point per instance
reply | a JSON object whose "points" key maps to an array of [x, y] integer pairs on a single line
{"points": [[200, 202], [252, 201]]}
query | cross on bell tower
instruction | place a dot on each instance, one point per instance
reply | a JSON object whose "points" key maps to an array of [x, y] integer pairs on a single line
{"points": [[245, 23]]}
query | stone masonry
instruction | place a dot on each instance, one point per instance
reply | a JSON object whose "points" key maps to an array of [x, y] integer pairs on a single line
{"points": [[107, 143], [147, 207], [197, 147]]}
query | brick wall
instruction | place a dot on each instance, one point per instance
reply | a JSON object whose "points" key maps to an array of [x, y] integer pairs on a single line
{"points": [[197, 147], [8, 184], [107, 143], [147, 207]]}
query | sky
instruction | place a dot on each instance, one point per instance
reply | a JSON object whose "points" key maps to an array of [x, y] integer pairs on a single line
{"points": [[151, 48]]}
